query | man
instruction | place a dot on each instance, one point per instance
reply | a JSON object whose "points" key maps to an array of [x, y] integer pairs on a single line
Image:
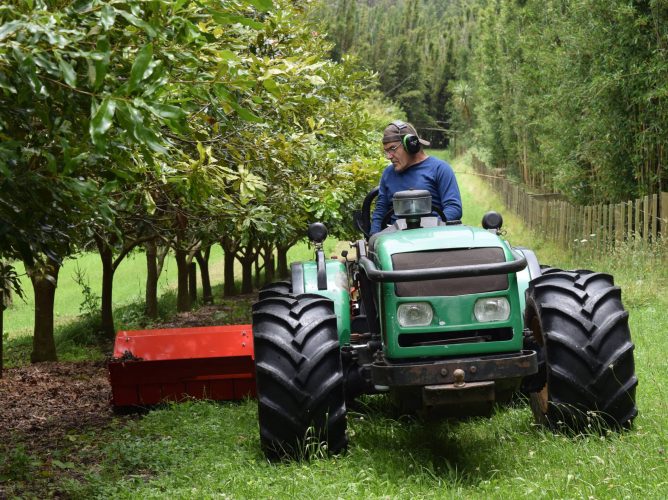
{"points": [[412, 168]]}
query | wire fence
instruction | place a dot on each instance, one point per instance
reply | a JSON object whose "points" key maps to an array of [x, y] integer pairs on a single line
{"points": [[641, 220]]}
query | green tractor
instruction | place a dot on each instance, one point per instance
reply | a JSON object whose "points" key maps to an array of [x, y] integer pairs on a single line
{"points": [[449, 320]]}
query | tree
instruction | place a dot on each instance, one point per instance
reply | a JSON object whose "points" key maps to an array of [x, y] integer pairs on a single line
{"points": [[94, 95]]}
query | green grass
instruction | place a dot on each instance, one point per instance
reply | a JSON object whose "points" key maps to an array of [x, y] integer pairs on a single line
{"points": [[207, 450]]}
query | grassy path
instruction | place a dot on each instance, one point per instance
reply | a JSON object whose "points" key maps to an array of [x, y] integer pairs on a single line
{"points": [[206, 450]]}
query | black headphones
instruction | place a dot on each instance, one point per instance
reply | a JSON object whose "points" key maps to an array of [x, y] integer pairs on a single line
{"points": [[411, 142]]}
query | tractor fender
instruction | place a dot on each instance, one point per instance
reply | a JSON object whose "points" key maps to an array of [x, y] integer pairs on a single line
{"points": [[530, 272], [305, 280]]}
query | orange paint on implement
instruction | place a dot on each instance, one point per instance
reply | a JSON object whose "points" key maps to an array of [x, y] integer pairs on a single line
{"points": [[213, 362]]}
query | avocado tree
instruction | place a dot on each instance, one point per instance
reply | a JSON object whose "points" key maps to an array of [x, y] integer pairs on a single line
{"points": [[94, 97]]}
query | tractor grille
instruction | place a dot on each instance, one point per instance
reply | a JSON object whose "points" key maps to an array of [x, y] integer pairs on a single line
{"points": [[469, 336], [449, 258]]}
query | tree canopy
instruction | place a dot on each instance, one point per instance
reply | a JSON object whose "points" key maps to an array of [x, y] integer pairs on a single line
{"points": [[182, 123]]}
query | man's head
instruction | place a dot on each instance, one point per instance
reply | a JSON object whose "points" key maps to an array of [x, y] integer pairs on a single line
{"points": [[402, 145]]}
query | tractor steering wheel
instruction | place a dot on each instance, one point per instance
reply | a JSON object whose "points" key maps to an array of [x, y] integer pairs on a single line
{"points": [[388, 215]]}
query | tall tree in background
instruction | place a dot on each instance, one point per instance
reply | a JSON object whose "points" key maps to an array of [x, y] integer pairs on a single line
{"points": [[416, 46], [570, 96], [565, 95]]}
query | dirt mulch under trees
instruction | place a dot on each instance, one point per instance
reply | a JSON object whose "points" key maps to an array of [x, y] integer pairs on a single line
{"points": [[48, 400], [41, 404]]}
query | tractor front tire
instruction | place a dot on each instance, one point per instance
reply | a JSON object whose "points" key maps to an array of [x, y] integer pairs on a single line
{"points": [[578, 322], [300, 384]]}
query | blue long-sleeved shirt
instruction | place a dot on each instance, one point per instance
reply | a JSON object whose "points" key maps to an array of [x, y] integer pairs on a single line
{"points": [[432, 174]]}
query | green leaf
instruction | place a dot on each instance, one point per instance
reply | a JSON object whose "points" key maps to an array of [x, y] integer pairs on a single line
{"points": [[315, 80], [141, 64], [107, 17], [101, 63], [135, 21], [101, 121], [144, 135], [9, 28], [271, 86], [224, 19], [228, 55], [69, 75], [177, 5], [167, 111], [246, 115], [262, 5]]}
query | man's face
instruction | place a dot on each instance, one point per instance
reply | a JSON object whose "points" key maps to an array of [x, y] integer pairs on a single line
{"points": [[396, 153]]}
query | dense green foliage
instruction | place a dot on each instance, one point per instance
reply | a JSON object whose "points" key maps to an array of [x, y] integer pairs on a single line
{"points": [[175, 124], [572, 95], [417, 47], [566, 95]]}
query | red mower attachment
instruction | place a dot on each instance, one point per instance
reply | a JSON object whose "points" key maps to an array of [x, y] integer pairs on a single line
{"points": [[152, 366]]}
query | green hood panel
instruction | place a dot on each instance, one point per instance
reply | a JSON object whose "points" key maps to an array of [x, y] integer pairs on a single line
{"points": [[435, 238]]}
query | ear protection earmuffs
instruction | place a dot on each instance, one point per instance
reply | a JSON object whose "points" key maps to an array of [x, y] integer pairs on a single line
{"points": [[411, 142]]}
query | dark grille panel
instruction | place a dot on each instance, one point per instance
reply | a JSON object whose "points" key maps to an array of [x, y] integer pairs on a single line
{"points": [[449, 258], [470, 336]]}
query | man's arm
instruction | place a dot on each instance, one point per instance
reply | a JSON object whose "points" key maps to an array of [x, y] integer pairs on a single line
{"points": [[451, 200], [382, 206]]}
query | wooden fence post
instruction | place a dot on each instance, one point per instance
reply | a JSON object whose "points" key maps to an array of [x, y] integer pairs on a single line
{"points": [[619, 222], [645, 219], [664, 215], [654, 216]]}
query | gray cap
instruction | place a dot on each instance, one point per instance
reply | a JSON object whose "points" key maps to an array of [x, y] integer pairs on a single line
{"points": [[397, 129]]}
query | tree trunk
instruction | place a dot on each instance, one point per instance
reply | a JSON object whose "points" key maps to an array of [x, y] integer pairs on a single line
{"points": [[192, 282], [282, 261], [258, 270], [229, 289], [182, 296], [269, 264], [203, 261], [152, 274], [107, 257], [2, 338], [246, 275], [44, 281], [230, 248], [246, 257]]}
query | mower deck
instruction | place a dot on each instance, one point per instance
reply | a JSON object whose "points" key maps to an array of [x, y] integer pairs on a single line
{"points": [[152, 366]]}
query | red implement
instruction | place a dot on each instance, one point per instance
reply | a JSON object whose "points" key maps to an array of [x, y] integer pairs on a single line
{"points": [[212, 362]]}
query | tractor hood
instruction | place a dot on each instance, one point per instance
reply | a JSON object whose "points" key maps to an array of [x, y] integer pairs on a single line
{"points": [[384, 246], [434, 238]]}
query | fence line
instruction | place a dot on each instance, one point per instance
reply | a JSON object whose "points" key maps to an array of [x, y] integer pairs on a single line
{"points": [[644, 219]]}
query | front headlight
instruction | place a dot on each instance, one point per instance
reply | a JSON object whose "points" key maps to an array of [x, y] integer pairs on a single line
{"points": [[415, 314], [492, 309]]}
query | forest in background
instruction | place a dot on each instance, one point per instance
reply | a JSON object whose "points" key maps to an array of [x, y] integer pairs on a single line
{"points": [[567, 96]]}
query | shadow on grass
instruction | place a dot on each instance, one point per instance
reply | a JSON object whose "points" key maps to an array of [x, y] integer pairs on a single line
{"points": [[462, 452]]}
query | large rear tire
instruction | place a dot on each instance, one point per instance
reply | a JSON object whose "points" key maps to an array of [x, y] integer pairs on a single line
{"points": [[579, 323], [300, 385]]}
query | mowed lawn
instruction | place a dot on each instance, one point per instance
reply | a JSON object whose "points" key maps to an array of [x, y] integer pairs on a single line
{"points": [[211, 450]]}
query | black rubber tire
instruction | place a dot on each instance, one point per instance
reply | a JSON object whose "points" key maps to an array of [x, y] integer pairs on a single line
{"points": [[300, 385], [578, 321], [275, 289]]}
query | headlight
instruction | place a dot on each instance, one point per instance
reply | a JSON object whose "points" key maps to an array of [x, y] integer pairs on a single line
{"points": [[413, 202], [492, 309], [415, 314]]}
